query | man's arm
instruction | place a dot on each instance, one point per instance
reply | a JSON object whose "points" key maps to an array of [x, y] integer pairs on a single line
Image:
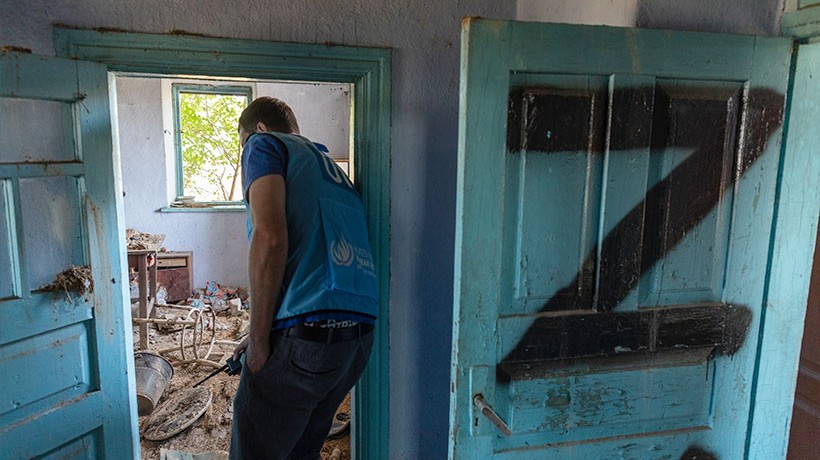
{"points": [[266, 264]]}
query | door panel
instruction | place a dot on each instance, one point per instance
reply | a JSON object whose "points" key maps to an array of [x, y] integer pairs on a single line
{"points": [[694, 122], [64, 357], [51, 216], [615, 206], [556, 136], [587, 406], [47, 140]]}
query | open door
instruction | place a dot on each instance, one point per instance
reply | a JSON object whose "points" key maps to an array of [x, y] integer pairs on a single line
{"points": [[67, 368], [805, 428], [616, 202]]}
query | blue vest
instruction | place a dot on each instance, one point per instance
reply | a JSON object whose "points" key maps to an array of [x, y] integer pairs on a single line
{"points": [[330, 264]]}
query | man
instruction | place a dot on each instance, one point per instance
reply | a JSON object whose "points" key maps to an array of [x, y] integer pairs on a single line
{"points": [[313, 289]]}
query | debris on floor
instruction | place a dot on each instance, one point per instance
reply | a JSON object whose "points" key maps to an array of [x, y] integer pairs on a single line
{"points": [[197, 340], [221, 298], [165, 454], [177, 413], [340, 426]]}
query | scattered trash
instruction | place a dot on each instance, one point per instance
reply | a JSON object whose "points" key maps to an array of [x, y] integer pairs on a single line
{"points": [[133, 287], [340, 426], [336, 455], [165, 454], [178, 413], [162, 294], [244, 328], [195, 326], [208, 340], [235, 305], [219, 297], [169, 324], [136, 240], [73, 279]]}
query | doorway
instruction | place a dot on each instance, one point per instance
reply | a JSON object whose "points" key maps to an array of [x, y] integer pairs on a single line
{"points": [[366, 70], [180, 166]]}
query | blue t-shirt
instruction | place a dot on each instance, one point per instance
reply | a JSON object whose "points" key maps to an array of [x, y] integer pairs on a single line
{"points": [[264, 155]]}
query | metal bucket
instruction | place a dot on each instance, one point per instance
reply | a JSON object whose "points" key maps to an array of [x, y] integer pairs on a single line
{"points": [[152, 373]]}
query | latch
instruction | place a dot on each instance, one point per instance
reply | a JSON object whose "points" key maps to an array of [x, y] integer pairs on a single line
{"points": [[488, 412]]}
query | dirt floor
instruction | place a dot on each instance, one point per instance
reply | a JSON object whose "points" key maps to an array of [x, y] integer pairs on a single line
{"points": [[211, 432]]}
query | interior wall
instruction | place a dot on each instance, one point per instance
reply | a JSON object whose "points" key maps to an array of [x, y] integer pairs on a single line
{"points": [[728, 16], [620, 13], [424, 38], [217, 239]]}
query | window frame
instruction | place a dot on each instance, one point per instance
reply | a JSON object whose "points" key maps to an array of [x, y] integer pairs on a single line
{"points": [[199, 88]]}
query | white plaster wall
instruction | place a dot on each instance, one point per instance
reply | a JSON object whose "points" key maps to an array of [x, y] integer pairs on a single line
{"points": [[424, 37], [217, 239], [597, 12], [322, 110]]}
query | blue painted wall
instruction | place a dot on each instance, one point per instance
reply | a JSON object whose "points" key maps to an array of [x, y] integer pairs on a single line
{"points": [[424, 35]]}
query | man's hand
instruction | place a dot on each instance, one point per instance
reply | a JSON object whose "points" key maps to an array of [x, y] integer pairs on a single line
{"points": [[256, 355], [237, 352]]}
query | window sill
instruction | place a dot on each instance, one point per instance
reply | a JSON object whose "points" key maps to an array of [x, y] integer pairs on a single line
{"points": [[210, 208]]}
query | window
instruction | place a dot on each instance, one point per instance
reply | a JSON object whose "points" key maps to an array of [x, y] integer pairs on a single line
{"points": [[208, 154]]}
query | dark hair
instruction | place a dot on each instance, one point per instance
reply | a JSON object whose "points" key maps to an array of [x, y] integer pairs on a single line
{"points": [[275, 114]]}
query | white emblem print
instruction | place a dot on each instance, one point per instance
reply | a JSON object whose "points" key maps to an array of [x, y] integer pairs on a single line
{"points": [[342, 252]]}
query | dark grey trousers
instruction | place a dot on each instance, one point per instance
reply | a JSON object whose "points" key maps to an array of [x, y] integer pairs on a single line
{"points": [[284, 411]]}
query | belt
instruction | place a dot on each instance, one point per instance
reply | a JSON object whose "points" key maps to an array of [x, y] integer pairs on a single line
{"points": [[326, 334]]}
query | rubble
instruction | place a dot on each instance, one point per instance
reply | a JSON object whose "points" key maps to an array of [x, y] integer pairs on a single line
{"points": [[211, 430], [136, 240], [76, 279], [220, 298], [177, 413], [165, 454]]}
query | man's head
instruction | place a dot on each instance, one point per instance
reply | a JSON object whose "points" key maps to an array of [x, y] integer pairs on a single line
{"points": [[267, 114]]}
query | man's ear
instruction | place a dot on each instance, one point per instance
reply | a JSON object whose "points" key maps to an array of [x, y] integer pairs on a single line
{"points": [[261, 127]]}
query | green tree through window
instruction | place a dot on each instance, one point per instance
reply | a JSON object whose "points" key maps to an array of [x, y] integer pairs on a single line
{"points": [[208, 150]]}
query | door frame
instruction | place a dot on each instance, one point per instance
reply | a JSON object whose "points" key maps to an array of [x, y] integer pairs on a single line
{"points": [[367, 69]]}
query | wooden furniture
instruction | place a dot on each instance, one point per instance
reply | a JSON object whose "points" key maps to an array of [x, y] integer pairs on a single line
{"points": [[176, 274], [147, 282]]}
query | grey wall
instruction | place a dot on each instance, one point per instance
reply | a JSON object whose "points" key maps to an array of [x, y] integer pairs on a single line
{"points": [[424, 36], [731, 16], [218, 240]]}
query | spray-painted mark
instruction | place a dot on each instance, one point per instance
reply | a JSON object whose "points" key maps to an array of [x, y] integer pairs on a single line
{"points": [[671, 208]]}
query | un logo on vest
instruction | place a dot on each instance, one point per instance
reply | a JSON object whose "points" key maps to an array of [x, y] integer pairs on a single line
{"points": [[334, 172], [342, 252]]}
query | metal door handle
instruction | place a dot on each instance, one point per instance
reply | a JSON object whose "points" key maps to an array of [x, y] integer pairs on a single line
{"points": [[488, 412]]}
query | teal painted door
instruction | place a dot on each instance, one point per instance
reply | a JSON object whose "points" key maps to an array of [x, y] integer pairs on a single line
{"points": [[617, 194], [66, 365]]}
